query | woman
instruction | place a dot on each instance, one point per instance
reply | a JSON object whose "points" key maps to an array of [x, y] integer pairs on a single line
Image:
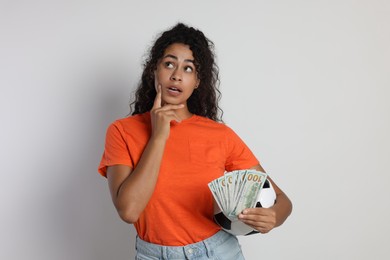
{"points": [[159, 161]]}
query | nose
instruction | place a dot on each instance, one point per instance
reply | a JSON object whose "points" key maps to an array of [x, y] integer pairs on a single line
{"points": [[176, 75]]}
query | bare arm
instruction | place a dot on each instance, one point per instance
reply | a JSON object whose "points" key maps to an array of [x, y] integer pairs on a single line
{"points": [[131, 189]]}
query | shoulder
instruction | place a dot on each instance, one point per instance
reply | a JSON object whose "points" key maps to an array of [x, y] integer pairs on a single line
{"points": [[132, 124], [138, 119]]}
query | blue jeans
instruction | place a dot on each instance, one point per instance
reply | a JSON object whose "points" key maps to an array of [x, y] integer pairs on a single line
{"points": [[221, 246]]}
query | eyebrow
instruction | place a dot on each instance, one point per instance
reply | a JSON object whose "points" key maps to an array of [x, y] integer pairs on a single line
{"points": [[175, 58]]}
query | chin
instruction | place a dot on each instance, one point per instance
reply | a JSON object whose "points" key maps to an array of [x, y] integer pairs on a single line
{"points": [[173, 101]]}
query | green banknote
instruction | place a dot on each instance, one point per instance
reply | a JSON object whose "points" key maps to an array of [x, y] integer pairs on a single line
{"points": [[237, 190]]}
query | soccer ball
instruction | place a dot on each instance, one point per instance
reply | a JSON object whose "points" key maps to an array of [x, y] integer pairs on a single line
{"points": [[265, 199]]}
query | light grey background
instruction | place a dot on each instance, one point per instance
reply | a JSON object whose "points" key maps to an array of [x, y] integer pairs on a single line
{"points": [[305, 84]]}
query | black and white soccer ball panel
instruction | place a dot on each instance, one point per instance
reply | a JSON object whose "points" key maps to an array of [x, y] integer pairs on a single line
{"points": [[267, 196], [265, 199]]}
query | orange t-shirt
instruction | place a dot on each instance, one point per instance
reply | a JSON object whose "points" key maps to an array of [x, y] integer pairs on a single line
{"points": [[198, 150]]}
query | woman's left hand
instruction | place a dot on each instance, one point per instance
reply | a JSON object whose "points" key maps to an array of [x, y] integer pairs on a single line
{"points": [[266, 219], [261, 219]]}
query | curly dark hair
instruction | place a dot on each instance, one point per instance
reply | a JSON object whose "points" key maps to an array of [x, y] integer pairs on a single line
{"points": [[204, 99]]}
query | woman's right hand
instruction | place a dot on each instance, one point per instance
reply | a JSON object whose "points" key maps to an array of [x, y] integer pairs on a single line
{"points": [[161, 116]]}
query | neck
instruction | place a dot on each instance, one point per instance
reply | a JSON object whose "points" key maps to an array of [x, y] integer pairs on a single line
{"points": [[183, 113]]}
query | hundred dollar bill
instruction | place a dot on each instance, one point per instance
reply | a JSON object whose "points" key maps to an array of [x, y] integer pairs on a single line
{"points": [[229, 189], [237, 190], [253, 181], [215, 192]]}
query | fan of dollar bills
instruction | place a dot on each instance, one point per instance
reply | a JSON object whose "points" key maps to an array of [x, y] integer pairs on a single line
{"points": [[237, 190]]}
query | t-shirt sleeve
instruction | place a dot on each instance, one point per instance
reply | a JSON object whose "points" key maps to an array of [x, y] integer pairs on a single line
{"points": [[239, 156], [116, 149]]}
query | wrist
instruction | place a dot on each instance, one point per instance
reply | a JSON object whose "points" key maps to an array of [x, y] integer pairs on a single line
{"points": [[158, 140]]}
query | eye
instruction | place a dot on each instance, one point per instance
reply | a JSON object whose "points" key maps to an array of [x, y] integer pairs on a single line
{"points": [[168, 64], [188, 69]]}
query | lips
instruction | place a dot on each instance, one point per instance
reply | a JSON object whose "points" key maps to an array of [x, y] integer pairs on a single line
{"points": [[174, 89]]}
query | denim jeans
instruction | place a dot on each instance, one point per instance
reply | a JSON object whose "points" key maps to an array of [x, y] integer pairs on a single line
{"points": [[221, 246]]}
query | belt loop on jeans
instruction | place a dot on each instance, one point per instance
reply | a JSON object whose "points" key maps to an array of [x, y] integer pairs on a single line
{"points": [[164, 253], [209, 250]]}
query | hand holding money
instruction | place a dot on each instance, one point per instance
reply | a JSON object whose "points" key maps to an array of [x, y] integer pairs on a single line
{"points": [[237, 190]]}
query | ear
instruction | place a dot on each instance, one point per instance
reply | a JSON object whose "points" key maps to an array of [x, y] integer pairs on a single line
{"points": [[197, 83]]}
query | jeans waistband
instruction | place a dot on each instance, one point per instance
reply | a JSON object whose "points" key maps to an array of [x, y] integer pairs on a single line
{"points": [[183, 252]]}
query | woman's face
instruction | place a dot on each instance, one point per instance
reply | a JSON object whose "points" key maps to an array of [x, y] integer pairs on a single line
{"points": [[176, 73]]}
